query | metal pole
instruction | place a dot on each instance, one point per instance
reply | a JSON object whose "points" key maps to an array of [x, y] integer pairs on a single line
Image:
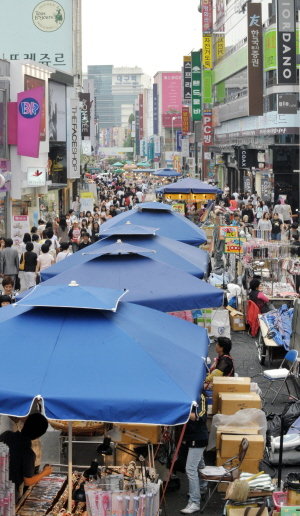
{"points": [[70, 466], [280, 453], [173, 118]]}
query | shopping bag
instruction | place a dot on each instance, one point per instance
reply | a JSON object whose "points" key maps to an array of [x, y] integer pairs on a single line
{"points": [[220, 326]]}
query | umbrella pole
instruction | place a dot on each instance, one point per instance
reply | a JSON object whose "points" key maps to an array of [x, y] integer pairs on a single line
{"points": [[70, 467]]}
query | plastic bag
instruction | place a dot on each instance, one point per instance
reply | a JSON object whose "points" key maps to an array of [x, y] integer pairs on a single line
{"points": [[292, 482], [274, 425], [220, 326], [290, 414], [245, 417]]}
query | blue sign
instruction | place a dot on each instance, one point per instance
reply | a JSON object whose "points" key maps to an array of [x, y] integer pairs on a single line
{"points": [[29, 108], [155, 109], [178, 140]]}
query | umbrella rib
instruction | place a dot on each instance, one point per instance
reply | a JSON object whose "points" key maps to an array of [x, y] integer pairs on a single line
{"points": [[54, 347]]}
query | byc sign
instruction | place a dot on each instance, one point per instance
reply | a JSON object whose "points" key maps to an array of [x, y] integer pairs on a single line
{"points": [[29, 108]]}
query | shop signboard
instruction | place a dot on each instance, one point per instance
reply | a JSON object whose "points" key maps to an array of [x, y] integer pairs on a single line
{"points": [[187, 78], [179, 207], [234, 245], [29, 122], [57, 111], [87, 201], [137, 129], [42, 31], [270, 50], [196, 86], [19, 226], [287, 103], [265, 188], [85, 114], [244, 158], [228, 232], [207, 137], [286, 42], [220, 12], [247, 184], [171, 99], [178, 140], [185, 147], [156, 146], [141, 116], [155, 108], [220, 47], [206, 16], [73, 138], [207, 86], [207, 51], [31, 83], [255, 59], [185, 120], [36, 176]]}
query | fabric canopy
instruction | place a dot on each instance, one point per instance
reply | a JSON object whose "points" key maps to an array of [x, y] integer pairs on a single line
{"points": [[149, 283], [166, 172], [170, 223], [177, 254], [189, 185], [133, 366], [128, 229]]}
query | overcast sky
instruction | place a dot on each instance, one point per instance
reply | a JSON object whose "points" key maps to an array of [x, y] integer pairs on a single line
{"points": [[152, 34]]}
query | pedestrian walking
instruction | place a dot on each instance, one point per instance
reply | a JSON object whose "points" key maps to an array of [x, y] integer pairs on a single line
{"points": [[9, 260], [30, 260]]}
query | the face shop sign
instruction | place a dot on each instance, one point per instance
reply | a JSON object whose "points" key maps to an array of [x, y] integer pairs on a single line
{"points": [[286, 42]]}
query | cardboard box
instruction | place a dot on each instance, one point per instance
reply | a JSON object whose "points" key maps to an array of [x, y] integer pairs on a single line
{"points": [[237, 319], [221, 430], [150, 432], [248, 465], [252, 512], [230, 446], [230, 506], [230, 403], [228, 384], [293, 498]]}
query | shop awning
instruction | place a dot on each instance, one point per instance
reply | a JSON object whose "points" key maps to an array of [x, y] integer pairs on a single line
{"points": [[189, 185], [133, 366]]}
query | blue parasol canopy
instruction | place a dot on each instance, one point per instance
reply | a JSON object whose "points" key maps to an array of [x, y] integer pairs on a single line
{"points": [[135, 365], [189, 185], [162, 216], [166, 172]]}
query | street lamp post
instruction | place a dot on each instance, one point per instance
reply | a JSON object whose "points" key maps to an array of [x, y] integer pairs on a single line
{"points": [[173, 118]]}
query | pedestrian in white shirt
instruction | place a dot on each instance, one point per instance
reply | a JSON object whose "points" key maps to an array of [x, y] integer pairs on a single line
{"points": [[64, 253]]}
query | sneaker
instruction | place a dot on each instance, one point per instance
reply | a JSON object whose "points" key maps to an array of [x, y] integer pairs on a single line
{"points": [[190, 508]]}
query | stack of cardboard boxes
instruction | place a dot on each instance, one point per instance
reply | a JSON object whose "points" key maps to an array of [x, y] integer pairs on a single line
{"points": [[231, 394]]}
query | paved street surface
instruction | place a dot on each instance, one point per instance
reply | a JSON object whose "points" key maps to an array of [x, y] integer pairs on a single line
{"points": [[246, 364]]}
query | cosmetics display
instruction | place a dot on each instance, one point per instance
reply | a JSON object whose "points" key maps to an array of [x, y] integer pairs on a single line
{"points": [[7, 488], [43, 496]]}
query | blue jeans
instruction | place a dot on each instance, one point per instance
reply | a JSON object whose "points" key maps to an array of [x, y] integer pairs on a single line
{"points": [[275, 236], [195, 462]]}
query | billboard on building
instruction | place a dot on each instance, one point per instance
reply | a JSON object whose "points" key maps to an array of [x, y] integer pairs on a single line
{"points": [[141, 116], [29, 122], [207, 129], [73, 139], [207, 51], [255, 59], [85, 115], [185, 120], [206, 16], [29, 84], [196, 86], [286, 42], [57, 111], [187, 77], [155, 108], [41, 31], [171, 99], [58, 163]]}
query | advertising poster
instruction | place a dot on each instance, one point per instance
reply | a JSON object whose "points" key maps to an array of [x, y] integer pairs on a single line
{"points": [[234, 245], [31, 83], [179, 207], [57, 112], [171, 99], [87, 201], [41, 31], [5, 171], [58, 163], [228, 232], [20, 226]]}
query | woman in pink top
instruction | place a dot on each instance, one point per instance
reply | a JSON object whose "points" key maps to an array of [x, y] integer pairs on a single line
{"points": [[233, 204], [260, 299]]}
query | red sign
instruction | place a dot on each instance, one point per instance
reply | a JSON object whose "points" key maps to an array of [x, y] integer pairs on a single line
{"points": [[141, 116], [185, 120], [206, 16], [167, 120], [207, 126]]}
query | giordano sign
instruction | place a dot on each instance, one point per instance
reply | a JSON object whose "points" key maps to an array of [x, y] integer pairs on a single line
{"points": [[270, 50], [48, 16]]}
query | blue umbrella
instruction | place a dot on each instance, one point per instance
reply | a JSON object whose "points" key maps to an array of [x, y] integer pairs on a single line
{"points": [[189, 259], [189, 185], [159, 215], [135, 365], [166, 172], [149, 283]]}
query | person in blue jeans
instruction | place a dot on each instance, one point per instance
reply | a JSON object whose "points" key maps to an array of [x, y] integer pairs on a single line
{"points": [[196, 439], [276, 227]]}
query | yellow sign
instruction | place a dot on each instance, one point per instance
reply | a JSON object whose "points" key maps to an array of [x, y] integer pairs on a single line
{"points": [[187, 59], [234, 245], [228, 232], [220, 47], [87, 195], [178, 207], [207, 51]]}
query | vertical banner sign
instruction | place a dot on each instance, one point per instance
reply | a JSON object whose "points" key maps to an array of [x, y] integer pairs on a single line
{"points": [[187, 78], [185, 120], [196, 86], [220, 47], [73, 139], [207, 86], [286, 42], [155, 109], [255, 59], [185, 147], [206, 16], [85, 114], [207, 51], [178, 140], [141, 115], [29, 121], [137, 130], [207, 127]]}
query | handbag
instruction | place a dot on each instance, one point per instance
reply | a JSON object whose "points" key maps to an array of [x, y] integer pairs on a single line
{"points": [[22, 262]]}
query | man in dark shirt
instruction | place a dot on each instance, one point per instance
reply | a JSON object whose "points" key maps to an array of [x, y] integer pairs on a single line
{"points": [[22, 457], [249, 212], [86, 242], [295, 246]]}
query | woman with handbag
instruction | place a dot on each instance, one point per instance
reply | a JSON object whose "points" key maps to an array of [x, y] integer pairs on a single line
{"points": [[28, 264]]}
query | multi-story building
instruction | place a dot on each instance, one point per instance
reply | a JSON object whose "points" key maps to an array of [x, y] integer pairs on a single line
{"points": [[256, 136]]}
